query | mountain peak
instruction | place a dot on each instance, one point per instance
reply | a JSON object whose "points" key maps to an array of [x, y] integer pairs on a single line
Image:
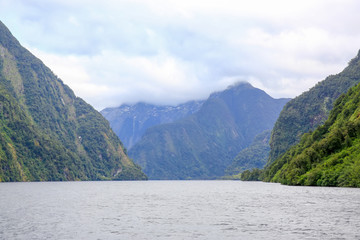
{"points": [[204, 144], [356, 59], [7, 39], [240, 84]]}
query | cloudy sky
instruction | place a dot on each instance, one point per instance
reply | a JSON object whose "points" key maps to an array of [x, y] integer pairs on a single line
{"points": [[169, 51]]}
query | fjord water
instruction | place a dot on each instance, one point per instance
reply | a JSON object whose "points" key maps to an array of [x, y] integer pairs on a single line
{"points": [[177, 210]]}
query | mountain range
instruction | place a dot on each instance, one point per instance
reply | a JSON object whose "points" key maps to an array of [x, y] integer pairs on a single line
{"points": [[130, 122], [203, 144], [47, 133]]}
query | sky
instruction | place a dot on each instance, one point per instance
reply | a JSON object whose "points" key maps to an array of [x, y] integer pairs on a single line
{"points": [[167, 52]]}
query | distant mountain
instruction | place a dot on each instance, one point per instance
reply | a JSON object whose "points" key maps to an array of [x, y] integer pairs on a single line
{"points": [[309, 110], [130, 122], [46, 132], [203, 144], [254, 156]]}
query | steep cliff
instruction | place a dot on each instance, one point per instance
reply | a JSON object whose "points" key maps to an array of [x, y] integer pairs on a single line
{"points": [[47, 133]]}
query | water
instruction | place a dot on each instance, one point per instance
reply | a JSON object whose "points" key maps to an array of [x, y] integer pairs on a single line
{"points": [[177, 210]]}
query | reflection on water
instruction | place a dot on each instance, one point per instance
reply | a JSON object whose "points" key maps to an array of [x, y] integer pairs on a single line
{"points": [[177, 210]]}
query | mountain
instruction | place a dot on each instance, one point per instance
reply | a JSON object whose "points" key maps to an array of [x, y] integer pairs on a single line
{"points": [[130, 122], [203, 144], [46, 132], [328, 156], [309, 110], [254, 156]]}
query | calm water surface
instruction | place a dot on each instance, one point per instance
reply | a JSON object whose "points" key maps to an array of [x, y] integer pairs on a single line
{"points": [[177, 210]]}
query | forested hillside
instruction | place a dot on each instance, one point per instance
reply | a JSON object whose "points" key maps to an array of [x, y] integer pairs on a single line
{"points": [[328, 156], [46, 132], [309, 110], [254, 156]]}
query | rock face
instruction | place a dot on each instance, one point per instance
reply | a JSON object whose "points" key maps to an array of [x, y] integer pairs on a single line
{"points": [[202, 145], [130, 122], [46, 132]]}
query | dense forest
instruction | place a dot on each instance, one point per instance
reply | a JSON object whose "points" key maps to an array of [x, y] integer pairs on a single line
{"points": [[254, 156], [329, 154], [311, 109], [47, 133]]}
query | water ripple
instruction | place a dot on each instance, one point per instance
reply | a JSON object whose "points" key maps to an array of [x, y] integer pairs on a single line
{"points": [[177, 210]]}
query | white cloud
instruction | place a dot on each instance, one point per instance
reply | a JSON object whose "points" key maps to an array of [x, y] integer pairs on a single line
{"points": [[112, 77], [169, 51]]}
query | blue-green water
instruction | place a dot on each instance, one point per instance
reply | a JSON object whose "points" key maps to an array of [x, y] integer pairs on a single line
{"points": [[177, 210]]}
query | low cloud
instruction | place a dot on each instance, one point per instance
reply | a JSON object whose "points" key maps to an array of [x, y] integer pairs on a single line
{"points": [[167, 52]]}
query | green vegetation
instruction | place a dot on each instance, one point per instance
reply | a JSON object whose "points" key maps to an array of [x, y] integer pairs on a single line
{"points": [[47, 133], [328, 156], [204, 144], [254, 156], [309, 110], [251, 175]]}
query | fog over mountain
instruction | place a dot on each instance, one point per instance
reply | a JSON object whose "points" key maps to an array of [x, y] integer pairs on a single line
{"points": [[203, 145]]}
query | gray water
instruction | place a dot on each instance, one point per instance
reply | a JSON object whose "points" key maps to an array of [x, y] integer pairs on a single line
{"points": [[177, 210]]}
